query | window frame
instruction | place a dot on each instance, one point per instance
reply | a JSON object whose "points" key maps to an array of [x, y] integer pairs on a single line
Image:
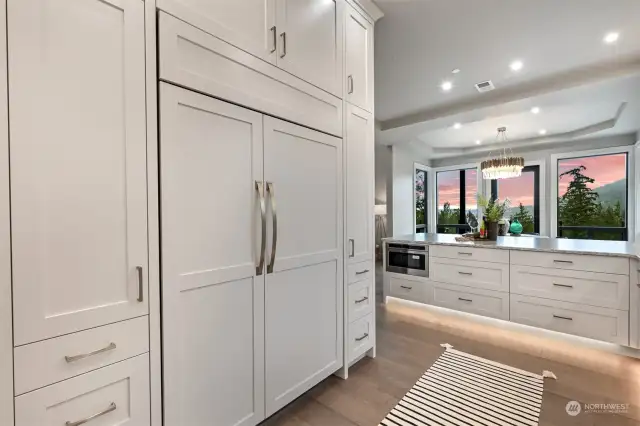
{"points": [[479, 186], [631, 182], [538, 190], [427, 195]]}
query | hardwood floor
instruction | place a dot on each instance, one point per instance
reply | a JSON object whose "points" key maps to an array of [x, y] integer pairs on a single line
{"points": [[409, 341]]}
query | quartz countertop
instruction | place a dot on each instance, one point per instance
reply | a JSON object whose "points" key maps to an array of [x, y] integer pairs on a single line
{"points": [[530, 243]]}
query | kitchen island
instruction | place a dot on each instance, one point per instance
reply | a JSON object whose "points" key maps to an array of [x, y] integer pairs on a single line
{"points": [[587, 288]]}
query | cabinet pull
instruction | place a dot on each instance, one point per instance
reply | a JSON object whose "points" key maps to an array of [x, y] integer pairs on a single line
{"points": [[465, 273], [569, 262], [283, 36], [561, 317], [274, 213], [563, 285], [263, 220], [406, 287], [352, 247], [75, 358], [274, 39], [350, 84], [465, 253], [362, 272], [364, 336], [109, 409], [140, 284], [465, 300], [362, 300]]}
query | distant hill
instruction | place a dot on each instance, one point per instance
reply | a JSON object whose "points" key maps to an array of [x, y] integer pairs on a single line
{"points": [[615, 191]]}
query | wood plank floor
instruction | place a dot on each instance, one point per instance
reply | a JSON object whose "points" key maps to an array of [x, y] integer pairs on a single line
{"points": [[409, 341]]}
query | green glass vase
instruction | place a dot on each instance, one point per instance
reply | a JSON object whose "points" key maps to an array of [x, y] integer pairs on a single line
{"points": [[516, 227]]}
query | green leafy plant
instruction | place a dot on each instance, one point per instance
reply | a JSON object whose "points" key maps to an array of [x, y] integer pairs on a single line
{"points": [[494, 210]]}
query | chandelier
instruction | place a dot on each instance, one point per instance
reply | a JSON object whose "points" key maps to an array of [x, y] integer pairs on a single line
{"points": [[503, 166]]}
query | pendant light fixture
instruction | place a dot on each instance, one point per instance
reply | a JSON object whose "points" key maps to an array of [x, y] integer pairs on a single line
{"points": [[503, 166]]}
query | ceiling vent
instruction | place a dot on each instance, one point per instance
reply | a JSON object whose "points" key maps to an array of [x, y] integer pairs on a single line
{"points": [[485, 86]]}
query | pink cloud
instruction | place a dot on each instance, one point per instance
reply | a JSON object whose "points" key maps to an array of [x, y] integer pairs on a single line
{"points": [[604, 169]]}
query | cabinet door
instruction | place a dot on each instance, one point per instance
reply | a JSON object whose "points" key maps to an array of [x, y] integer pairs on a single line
{"points": [[78, 164], [309, 42], [213, 297], [360, 181], [247, 24], [359, 59], [303, 293]]}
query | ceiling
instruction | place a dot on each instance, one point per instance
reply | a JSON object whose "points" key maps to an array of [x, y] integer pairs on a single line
{"points": [[581, 84]]}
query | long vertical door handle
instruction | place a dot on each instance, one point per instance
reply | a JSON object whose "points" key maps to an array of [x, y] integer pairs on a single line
{"points": [[274, 38], [283, 36], [263, 220], [140, 284], [350, 84], [274, 215], [352, 247]]}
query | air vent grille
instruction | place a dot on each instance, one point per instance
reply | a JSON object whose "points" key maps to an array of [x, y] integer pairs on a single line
{"points": [[485, 86]]}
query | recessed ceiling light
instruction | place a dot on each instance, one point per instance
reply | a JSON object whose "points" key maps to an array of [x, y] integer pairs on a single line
{"points": [[543, 132], [611, 38], [446, 86], [457, 126], [535, 110], [455, 71], [516, 65], [478, 142]]}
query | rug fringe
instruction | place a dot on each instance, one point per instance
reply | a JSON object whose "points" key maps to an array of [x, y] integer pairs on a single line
{"points": [[549, 374]]}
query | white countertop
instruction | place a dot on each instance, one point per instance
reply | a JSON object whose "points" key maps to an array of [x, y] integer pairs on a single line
{"points": [[532, 243]]}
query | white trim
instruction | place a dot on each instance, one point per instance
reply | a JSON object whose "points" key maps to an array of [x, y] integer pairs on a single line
{"points": [[427, 193], [631, 179], [480, 185]]}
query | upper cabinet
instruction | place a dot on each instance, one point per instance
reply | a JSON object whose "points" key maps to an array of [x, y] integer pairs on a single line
{"points": [[247, 24], [358, 60], [78, 164]]}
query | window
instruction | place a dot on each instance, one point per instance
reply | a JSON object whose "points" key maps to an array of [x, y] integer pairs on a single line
{"points": [[524, 193], [421, 201], [457, 200], [593, 197]]}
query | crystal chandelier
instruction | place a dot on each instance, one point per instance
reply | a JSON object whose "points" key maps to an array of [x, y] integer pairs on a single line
{"points": [[503, 166]]}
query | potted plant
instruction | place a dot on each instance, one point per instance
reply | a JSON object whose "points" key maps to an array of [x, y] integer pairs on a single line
{"points": [[494, 210]]}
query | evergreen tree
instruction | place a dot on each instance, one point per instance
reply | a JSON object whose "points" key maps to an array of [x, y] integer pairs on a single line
{"points": [[579, 205], [448, 216], [525, 218], [420, 199]]}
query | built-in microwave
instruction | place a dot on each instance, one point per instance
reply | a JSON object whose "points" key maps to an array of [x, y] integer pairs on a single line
{"points": [[409, 259]]}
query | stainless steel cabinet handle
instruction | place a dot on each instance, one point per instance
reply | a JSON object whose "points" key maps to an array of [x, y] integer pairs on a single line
{"points": [[274, 215], [563, 261], [465, 253], [350, 84], [140, 284], [273, 38], [263, 218], [362, 300], [465, 300], [465, 273], [563, 285], [364, 336], [561, 317], [75, 358], [362, 272], [283, 36], [406, 287], [109, 409], [352, 247]]}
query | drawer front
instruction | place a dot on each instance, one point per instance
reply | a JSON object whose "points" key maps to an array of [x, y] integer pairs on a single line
{"points": [[50, 361], [575, 262], [475, 301], [361, 336], [487, 275], [361, 300], [588, 288], [470, 253], [360, 272], [114, 395], [609, 325], [408, 289]]}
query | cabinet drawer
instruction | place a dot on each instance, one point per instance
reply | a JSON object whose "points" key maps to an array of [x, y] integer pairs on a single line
{"points": [[487, 275], [361, 336], [360, 272], [470, 253], [576, 262], [40, 364], [408, 289], [114, 395], [589, 288], [609, 325], [473, 300], [361, 299]]}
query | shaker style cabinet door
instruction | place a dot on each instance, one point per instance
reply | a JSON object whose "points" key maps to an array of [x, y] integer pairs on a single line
{"points": [[246, 24], [359, 60], [309, 42], [212, 199], [78, 164], [359, 177]]}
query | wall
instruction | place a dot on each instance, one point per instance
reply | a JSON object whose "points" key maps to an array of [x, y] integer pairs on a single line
{"points": [[384, 180]]}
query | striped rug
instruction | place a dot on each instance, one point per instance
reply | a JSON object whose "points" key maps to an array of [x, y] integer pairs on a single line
{"points": [[463, 390]]}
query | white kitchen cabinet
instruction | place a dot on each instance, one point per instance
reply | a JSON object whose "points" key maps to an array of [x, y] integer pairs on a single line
{"points": [[303, 286], [78, 164], [359, 146], [358, 36], [634, 304], [248, 24], [213, 296]]}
